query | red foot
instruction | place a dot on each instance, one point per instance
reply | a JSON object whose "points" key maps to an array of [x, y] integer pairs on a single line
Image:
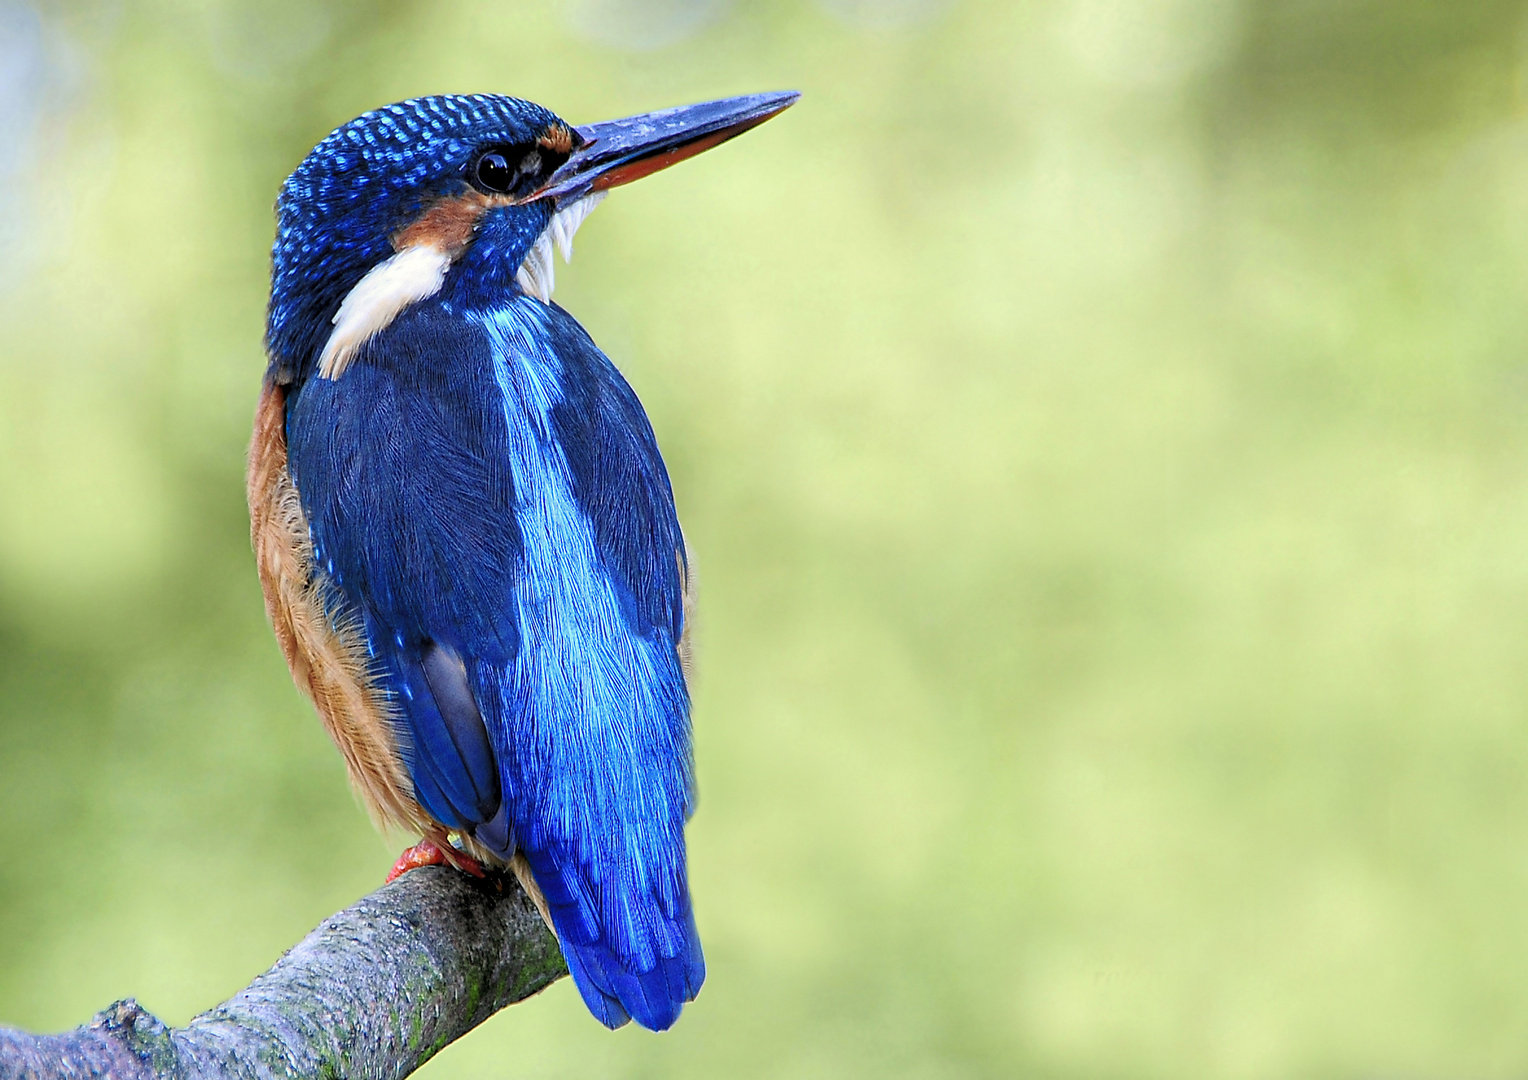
{"points": [[429, 853]]}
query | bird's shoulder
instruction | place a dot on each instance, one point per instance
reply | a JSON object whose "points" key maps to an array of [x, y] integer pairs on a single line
{"points": [[413, 465]]}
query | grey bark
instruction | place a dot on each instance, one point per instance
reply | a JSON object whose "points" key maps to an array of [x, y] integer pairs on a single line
{"points": [[372, 994]]}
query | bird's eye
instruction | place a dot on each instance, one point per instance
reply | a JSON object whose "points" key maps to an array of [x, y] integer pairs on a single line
{"points": [[514, 169], [494, 173]]}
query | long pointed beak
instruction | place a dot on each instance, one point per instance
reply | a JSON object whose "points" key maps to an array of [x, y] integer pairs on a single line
{"points": [[617, 152]]}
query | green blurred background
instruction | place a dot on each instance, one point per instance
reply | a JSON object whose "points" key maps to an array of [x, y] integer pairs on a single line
{"points": [[1102, 426]]}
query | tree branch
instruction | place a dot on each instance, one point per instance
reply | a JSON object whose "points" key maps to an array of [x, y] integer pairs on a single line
{"points": [[372, 994]]}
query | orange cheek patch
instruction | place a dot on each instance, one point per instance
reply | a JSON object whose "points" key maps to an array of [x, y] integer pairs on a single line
{"points": [[449, 224]]}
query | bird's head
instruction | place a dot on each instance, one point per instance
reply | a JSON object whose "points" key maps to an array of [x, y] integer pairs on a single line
{"points": [[461, 196]]}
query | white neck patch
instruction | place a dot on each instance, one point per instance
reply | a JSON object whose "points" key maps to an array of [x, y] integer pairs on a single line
{"points": [[392, 285], [416, 273], [536, 275]]}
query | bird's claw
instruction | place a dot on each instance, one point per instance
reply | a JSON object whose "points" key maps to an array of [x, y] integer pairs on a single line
{"points": [[430, 853]]}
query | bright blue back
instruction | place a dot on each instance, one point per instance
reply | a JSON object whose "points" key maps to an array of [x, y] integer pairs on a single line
{"points": [[486, 495]]}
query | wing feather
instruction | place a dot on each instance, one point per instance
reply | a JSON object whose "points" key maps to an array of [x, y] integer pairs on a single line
{"points": [[491, 490]]}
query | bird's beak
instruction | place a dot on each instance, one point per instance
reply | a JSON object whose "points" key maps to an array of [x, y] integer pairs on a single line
{"points": [[617, 152]]}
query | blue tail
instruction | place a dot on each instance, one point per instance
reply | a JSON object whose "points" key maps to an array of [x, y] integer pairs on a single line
{"points": [[619, 983]]}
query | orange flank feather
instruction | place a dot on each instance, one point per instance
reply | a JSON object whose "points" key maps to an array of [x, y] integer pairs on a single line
{"points": [[328, 661]]}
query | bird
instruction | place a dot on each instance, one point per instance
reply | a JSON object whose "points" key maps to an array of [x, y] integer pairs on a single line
{"points": [[465, 533]]}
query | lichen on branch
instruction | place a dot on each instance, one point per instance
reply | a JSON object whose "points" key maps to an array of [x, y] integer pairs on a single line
{"points": [[372, 994]]}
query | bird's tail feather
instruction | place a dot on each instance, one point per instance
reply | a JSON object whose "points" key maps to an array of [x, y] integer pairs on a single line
{"points": [[612, 986]]}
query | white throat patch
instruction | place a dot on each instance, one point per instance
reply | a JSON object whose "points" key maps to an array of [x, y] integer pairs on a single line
{"points": [[536, 275], [417, 272]]}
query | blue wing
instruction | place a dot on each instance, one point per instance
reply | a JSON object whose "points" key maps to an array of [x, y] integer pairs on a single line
{"points": [[485, 492]]}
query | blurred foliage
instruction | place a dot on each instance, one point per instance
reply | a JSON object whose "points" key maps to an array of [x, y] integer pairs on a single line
{"points": [[1102, 426]]}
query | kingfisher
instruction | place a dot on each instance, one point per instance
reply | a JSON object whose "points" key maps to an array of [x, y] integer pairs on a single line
{"points": [[464, 530]]}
